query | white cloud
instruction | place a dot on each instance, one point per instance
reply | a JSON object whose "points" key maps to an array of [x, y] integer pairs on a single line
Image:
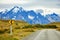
{"points": [[51, 10], [12, 2], [47, 5]]}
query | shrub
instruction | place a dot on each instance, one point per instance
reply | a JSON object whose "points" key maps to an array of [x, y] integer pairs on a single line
{"points": [[2, 31], [38, 26], [44, 26], [49, 26], [6, 29], [29, 26], [17, 27]]}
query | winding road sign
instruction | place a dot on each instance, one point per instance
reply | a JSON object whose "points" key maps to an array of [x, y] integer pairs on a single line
{"points": [[11, 21]]}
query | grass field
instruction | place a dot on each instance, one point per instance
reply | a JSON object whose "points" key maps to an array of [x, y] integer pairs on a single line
{"points": [[21, 29], [18, 31]]}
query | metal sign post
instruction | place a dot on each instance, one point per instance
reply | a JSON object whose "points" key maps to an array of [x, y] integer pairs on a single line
{"points": [[10, 29]]}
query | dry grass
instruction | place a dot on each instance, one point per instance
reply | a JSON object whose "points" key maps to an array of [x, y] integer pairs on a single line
{"points": [[18, 32], [58, 29]]}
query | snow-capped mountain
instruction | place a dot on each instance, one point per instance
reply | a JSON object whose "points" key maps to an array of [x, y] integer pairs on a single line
{"points": [[32, 17], [53, 17]]}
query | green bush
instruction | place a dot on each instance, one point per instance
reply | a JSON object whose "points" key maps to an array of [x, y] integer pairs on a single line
{"points": [[29, 26], [52, 26], [49, 26], [38, 26], [17, 27], [44, 26], [6, 29], [2, 31]]}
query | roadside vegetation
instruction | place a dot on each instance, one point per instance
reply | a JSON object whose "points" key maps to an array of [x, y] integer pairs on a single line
{"points": [[21, 29]]}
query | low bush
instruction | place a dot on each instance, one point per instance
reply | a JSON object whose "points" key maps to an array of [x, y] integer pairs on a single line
{"points": [[29, 26], [7, 38], [37, 26], [17, 27], [49, 26], [2, 31], [44, 26]]}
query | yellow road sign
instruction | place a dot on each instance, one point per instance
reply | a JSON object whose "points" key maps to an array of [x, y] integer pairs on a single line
{"points": [[11, 21]]}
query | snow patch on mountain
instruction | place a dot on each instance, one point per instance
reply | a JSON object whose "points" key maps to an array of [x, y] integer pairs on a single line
{"points": [[4, 11], [13, 18], [30, 17], [15, 10], [50, 19]]}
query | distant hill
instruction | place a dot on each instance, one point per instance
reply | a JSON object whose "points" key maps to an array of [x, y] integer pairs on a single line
{"points": [[55, 23]]}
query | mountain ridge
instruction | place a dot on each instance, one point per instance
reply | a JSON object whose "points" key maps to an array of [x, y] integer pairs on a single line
{"points": [[32, 17]]}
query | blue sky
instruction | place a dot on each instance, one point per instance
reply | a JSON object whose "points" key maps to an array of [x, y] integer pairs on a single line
{"points": [[47, 5]]}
